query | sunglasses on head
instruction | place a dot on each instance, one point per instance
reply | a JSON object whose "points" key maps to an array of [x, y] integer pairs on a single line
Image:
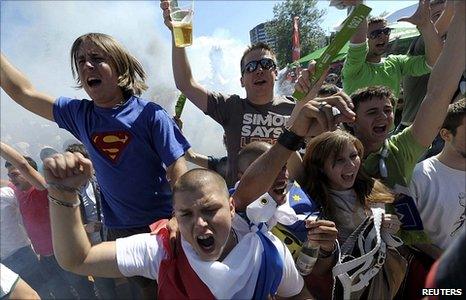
{"points": [[265, 63], [375, 33]]}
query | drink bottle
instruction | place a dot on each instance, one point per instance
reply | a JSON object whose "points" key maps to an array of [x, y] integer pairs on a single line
{"points": [[307, 258]]}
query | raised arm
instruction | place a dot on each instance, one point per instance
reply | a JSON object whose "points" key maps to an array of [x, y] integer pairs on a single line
{"points": [[176, 169], [360, 35], [197, 158], [432, 40], [18, 87], [70, 242], [313, 118], [357, 52], [266, 167], [443, 81], [444, 20], [184, 80], [19, 162]]}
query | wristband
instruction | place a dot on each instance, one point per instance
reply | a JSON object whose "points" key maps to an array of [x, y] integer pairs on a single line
{"points": [[61, 203], [291, 140]]}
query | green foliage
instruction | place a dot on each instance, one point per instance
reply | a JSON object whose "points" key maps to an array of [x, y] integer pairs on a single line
{"points": [[311, 34]]}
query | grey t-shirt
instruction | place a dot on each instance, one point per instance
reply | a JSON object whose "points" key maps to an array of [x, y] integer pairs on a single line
{"points": [[245, 122]]}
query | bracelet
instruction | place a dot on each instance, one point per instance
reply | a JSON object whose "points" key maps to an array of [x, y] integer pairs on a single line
{"points": [[326, 254], [291, 140], [61, 203], [62, 187]]}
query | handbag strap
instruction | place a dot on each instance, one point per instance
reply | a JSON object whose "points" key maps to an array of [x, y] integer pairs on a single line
{"points": [[363, 263]]}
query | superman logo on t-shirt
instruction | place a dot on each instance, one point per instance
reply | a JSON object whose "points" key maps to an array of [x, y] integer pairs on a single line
{"points": [[111, 144]]}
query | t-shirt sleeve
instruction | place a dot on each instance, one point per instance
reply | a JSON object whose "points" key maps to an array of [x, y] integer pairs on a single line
{"points": [[414, 190], [218, 107], [355, 59], [167, 138], [407, 151], [65, 114], [140, 255], [413, 65], [8, 280], [292, 282]]}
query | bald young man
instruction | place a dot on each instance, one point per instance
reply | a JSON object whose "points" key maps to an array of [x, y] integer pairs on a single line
{"points": [[209, 250]]}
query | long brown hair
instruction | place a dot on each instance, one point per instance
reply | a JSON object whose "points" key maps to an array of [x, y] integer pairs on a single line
{"points": [[131, 75], [327, 146]]}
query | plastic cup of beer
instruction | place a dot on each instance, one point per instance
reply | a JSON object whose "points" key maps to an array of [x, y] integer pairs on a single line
{"points": [[182, 20]]}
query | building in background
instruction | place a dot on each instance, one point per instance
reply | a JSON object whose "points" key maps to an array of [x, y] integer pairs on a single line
{"points": [[259, 34]]}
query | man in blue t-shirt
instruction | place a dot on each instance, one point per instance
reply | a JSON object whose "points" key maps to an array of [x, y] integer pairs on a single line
{"points": [[135, 147]]}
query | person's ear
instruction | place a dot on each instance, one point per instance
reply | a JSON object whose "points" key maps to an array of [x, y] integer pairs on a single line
{"points": [[232, 207], [445, 134], [242, 81]]}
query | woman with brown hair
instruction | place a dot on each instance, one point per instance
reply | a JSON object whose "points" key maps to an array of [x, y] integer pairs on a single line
{"points": [[332, 176]]}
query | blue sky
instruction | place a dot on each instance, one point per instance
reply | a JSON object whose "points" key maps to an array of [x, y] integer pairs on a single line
{"points": [[241, 16]]}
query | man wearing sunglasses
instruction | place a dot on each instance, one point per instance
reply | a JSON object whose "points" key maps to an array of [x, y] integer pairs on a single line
{"points": [[364, 65], [261, 116]]}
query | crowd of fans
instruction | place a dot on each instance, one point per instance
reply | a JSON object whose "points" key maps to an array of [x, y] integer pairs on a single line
{"points": [[119, 215]]}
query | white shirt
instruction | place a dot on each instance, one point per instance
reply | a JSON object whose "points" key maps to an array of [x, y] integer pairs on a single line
{"points": [[440, 195], [142, 254], [8, 280], [13, 236]]}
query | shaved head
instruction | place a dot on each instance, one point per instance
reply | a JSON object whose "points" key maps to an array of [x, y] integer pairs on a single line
{"points": [[250, 153], [197, 180]]}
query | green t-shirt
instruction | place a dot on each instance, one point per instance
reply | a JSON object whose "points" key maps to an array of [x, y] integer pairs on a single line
{"points": [[414, 88], [358, 73], [403, 153]]}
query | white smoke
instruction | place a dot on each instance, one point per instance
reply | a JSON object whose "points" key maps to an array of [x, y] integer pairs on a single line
{"points": [[36, 36]]}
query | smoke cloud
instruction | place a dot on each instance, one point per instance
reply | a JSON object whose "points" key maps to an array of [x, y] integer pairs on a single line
{"points": [[36, 36]]}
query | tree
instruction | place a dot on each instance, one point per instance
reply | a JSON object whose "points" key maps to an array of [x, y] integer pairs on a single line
{"points": [[311, 34]]}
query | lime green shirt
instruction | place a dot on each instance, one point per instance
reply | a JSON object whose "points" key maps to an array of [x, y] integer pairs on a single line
{"points": [[358, 73], [403, 153]]}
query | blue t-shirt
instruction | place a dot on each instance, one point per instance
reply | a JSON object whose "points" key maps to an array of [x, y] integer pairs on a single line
{"points": [[130, 147]]}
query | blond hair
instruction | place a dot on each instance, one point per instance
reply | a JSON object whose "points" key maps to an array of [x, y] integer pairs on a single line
{"points": [[131, 75]]}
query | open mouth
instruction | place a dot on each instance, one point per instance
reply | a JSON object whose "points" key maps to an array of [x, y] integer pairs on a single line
{"points": [[278, 192], [206, 242], [381, 129], [92, 82], [280, 188], [380, 45], [348, 176], [260, 82]]}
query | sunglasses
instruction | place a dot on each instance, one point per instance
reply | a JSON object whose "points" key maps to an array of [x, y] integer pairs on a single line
{"points": [[375, 34], [383, 170], [265, 63]]}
